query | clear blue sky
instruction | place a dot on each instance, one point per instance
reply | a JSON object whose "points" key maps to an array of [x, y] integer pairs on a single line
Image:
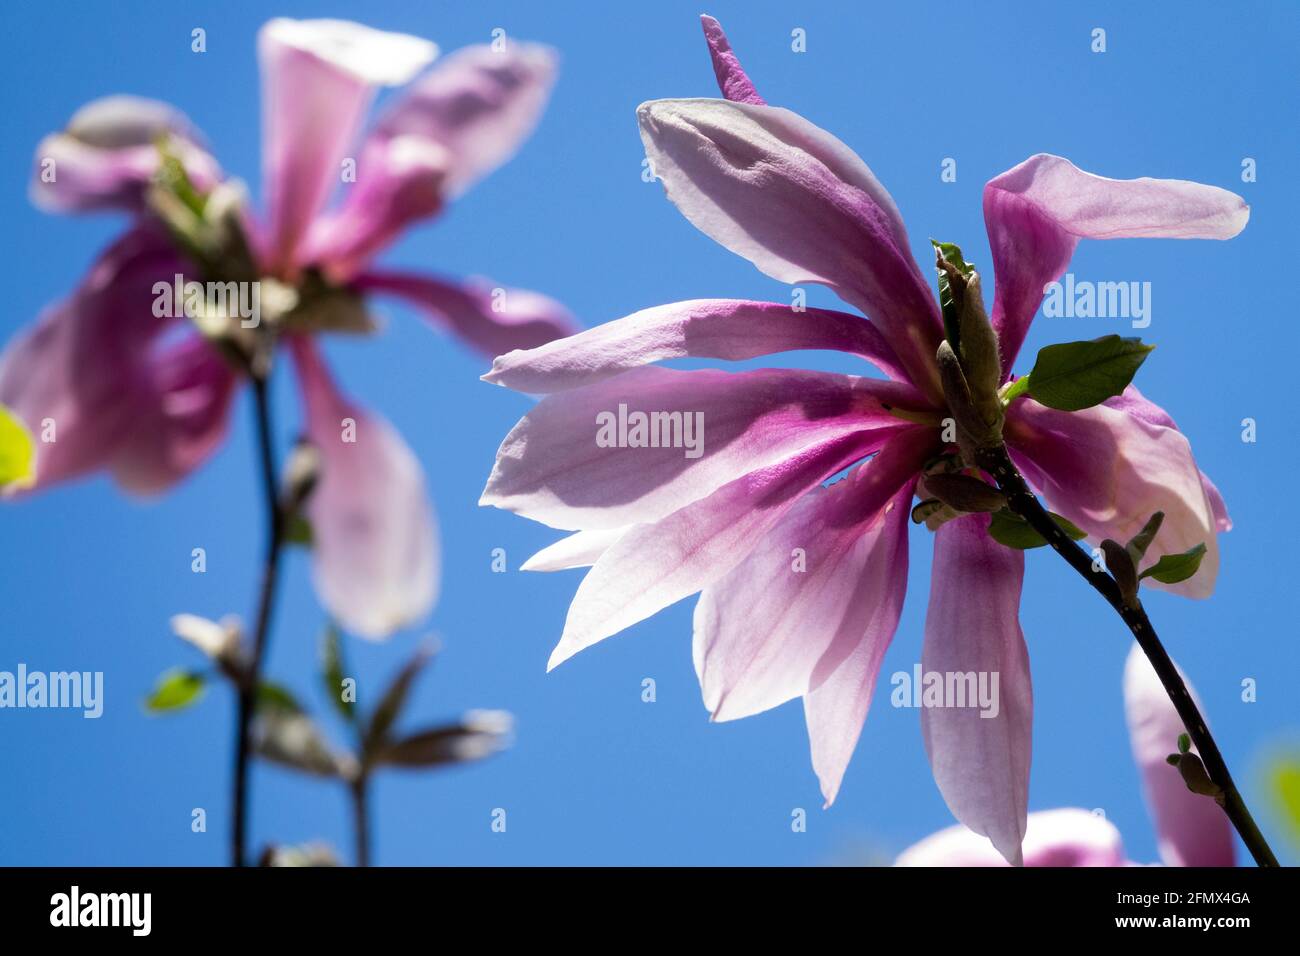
{"points": [[89, 578]]}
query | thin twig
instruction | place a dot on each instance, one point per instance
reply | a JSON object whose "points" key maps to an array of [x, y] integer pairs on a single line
{"points": [[997, 462], [360, 820]]}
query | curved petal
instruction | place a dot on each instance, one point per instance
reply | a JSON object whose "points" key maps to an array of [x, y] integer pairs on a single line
{"points": [[1108, 471], [732, 79], [1191, 829], [478, 104], [829, 576], [655, 565], [108, 155], [318, 79], [78, 378], [1037, 212], [639, 446], [490, 318], [184, 421], [579, 550], [980, 756], [375, 547], [731, 329], [801, 206], [1065, 837]]}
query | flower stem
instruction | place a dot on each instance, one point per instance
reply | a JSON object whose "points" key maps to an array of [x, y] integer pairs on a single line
{"points": [[266, 598], [997, 462], [360, 821]]}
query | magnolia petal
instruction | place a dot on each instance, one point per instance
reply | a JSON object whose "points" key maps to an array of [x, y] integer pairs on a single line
{"points": [[801, 206], [490, 318], [1065, 837], [1037, 212], [79, 377], [972, 627], [1108, 471], [732, 79], [478, 104], [109, 153], [731, 329], [318, 79], [1191, 829], [183, 423], [375, 547], [580, 550], [566, 465], [829, 576], [655, 565]]}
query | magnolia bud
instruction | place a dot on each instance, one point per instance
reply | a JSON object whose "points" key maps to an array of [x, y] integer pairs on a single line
{"points": [[971, 424], [1121, 568], [965, 493], [979, 352]]}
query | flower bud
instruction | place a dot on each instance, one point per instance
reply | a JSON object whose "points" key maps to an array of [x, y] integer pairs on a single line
{"points": [[965, 493], [1121, 568]]}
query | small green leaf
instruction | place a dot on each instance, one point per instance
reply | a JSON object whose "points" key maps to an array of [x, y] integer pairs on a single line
{"points": [[951, 254], [299, 531], [275, 697], [1184, 743], [1076, 375], [394, 699], [176, 689], [1014, 390], [332, 671], [1172, 568], [17, 453], [1010, 529]]}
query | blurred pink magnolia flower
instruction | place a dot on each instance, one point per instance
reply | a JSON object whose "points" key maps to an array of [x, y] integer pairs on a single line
{"points": [[657, 525], [1191, 829], [147, 398]]}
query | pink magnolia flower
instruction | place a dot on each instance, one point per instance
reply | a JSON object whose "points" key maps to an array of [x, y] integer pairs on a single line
{"points": [[1192, 830], [656, 525], [146, 398]]}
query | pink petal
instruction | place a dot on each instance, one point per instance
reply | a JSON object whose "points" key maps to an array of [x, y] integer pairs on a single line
{"points": [[83, 367], [730, 329], [109, 154], [580, 550], [1108, 471], [318, 79], [1037, 212], [1065, 837], [655, 565], [490, 318], [551, 468], [801, 206], [375, 549], [183, 422], [478, 104], [980, 763], [828, 577], [732, 80], [1191, 829]]}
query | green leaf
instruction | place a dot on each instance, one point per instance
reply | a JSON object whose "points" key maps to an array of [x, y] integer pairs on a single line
{"points": [[1076, 375], [394, 699], [1014, 531], [299, 531], [175, 690], [275, 697], [332, 671], [292, 739], [1284, 781], [17, 453], [1172, 568], [951, 254], [1184, 743]]}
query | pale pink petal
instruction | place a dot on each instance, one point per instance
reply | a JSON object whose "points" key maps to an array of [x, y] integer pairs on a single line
{"points": [[375, 544], [731, 329], [801, 206], [980, 757], [1108, 471], [490, 318], [836, 705], [563, 463], [78, 378], [318, 79], [655, 565], [829, 576], [1191, 829], [732, 79], [479, 104], [182, 423], [109, 154], [1065, 837], [580, 550], [1037, 212]]}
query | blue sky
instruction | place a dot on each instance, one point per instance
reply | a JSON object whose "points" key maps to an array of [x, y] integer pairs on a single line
{"points": [[89, 577]]}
